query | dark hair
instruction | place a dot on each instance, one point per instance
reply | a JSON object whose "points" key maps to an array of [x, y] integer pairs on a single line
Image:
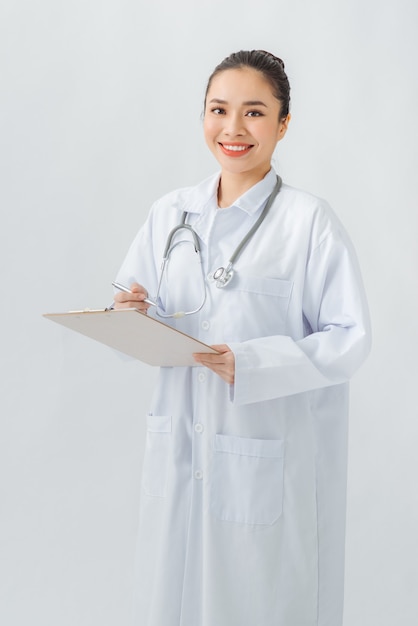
{"points": [[270, 66]]}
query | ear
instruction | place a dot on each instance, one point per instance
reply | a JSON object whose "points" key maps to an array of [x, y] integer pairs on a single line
{"points": [[283, 126]]}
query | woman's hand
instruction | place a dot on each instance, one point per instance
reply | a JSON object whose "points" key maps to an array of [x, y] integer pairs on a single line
{"points": [[132, 300], [222, 364]]}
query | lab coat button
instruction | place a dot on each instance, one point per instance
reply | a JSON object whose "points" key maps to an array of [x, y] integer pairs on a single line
{"points": [[202, 377], [199, 428], [205, 325], [198, 475]]}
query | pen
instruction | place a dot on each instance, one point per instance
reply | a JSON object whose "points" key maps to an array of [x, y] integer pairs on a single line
{"points": [[127, 290]]}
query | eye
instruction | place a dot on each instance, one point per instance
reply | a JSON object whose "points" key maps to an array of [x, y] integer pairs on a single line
{"points": [[218, 111], [254, 114]]}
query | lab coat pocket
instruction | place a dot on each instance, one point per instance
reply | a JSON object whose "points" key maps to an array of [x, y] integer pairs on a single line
{"points": [[263, 305], [157, 455], [247, 480]]}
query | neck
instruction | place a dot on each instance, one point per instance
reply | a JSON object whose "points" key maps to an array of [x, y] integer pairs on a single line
{"points": [[232, 186]]}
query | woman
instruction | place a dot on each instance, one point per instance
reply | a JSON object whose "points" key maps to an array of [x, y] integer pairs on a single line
{"points": [[243, 494]]}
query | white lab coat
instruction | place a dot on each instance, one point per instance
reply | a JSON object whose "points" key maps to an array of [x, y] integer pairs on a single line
{"points": [[243, 492]]}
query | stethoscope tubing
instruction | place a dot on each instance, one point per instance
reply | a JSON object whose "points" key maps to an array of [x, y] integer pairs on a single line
{"points": [[222, 275]]}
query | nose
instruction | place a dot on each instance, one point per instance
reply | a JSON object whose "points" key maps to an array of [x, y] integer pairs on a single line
{"points": [[234, 125]]}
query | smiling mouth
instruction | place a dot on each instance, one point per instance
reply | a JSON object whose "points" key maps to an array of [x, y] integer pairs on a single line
{"points": [[235, 150]]}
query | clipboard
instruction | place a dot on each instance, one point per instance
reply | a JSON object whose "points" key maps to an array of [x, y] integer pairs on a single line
{"points": [[136, 334]]}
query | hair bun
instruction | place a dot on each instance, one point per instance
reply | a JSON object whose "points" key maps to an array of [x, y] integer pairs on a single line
{"points": [[273, 57]]}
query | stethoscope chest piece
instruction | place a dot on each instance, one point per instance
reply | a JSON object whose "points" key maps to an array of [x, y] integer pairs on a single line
{"points": [[223, 275]]}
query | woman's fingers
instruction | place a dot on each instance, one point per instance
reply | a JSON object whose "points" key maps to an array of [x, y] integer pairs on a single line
{"points": [[131, 300], [222, 364]]}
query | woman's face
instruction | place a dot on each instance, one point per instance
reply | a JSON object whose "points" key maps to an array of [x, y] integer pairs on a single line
{"points": [[241, 122]]}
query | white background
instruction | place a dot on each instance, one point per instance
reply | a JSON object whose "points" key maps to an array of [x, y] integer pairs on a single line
{"points": [[100, 115]]}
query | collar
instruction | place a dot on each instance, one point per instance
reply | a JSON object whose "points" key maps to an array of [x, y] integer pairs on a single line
{"points": [[251, 200], [196, 199]]}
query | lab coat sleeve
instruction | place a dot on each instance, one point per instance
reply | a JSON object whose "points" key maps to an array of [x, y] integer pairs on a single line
{"points": [[334, 305]]}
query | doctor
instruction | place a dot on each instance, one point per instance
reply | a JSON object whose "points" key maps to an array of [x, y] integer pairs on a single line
{"points": [[244, 480]]}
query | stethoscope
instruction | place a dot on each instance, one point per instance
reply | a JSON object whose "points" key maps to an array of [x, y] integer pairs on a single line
{"points": [[222, 276]]}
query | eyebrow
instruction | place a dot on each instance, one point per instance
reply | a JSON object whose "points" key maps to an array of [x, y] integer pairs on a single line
{"points": [[250, 103]]}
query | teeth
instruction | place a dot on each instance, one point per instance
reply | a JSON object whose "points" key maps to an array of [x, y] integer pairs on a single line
{"points": [[235, 148]]}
